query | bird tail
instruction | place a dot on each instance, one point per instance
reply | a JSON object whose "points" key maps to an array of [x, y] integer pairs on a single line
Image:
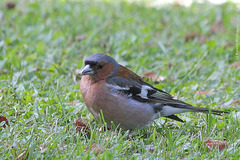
{"points": [[169, 111], [206, 110]]}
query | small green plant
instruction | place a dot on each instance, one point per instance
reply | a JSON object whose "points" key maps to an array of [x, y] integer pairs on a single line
{"points": [[193, 48]]}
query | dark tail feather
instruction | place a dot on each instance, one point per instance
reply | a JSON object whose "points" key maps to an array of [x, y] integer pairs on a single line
{"points": [[213, 111], [176, 118], [181, 104], [198, 109], [186, 108]]}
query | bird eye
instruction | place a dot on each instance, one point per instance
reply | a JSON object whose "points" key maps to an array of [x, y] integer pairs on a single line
{"points": [[100, 66]]}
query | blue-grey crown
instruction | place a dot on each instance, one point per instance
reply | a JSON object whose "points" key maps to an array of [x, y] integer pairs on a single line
{"points": [[99, 57]]}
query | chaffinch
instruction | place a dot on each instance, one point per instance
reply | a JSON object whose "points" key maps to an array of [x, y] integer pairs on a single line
{"points": [[124, 98]]}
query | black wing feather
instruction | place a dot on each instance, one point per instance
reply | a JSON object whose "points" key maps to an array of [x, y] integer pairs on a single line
{"points": [[159, 98]]}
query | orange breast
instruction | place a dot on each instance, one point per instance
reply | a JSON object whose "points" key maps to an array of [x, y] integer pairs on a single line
{"points": [[92, 93]]}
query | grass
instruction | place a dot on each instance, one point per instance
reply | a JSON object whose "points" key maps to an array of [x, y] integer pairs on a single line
{"points": [[194, 48]]}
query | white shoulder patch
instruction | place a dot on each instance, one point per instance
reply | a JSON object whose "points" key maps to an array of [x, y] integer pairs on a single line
{"points": [[144, 91], [117, 87]]}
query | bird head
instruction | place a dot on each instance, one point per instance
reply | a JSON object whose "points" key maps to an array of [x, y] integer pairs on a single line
{"points": [[100, 66]]}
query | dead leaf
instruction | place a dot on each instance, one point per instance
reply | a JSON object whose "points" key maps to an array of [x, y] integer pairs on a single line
{"points": [[76, 74], [237, 102], [151, 149], [10, 5], [104, 45], [96, 147], [203, 40], [171, 79], [204, 92], [69, 43], [235, 64], [1, 15], [74, 102], [2, 118], [199, 105], [80, 37], [153, 76], [229, 44], [217, 27], [192, 36], [211, 144], [23, 156], [4, 71], [82, 127]]}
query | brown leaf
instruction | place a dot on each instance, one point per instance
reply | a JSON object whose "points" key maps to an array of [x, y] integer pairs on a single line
{"points": [[4, 71], [80, 37], [217, 26], [23, 156], [199, 105], [229, 44], [82, 127], [171, 78], [77, 74], [10, 5], [192, 36], [153, 76], [235, 64], [237, 102], [96, 147], [104, 46], [151, 149], [203, 40], [204, 92], [2, 118], [74, 102], [221, 145]]}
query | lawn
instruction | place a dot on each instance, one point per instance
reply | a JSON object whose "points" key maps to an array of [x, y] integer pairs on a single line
{"points": [[195, 50]]}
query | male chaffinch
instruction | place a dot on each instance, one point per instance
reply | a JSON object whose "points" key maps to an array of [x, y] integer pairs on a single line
{"points": [[124, 98]]}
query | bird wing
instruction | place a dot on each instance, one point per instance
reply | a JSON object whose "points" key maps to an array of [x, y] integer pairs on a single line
{"points": [[129, 84], [132, 85]]}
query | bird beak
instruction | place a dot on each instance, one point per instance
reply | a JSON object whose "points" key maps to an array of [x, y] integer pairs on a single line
{"points": [[87, 70]]}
